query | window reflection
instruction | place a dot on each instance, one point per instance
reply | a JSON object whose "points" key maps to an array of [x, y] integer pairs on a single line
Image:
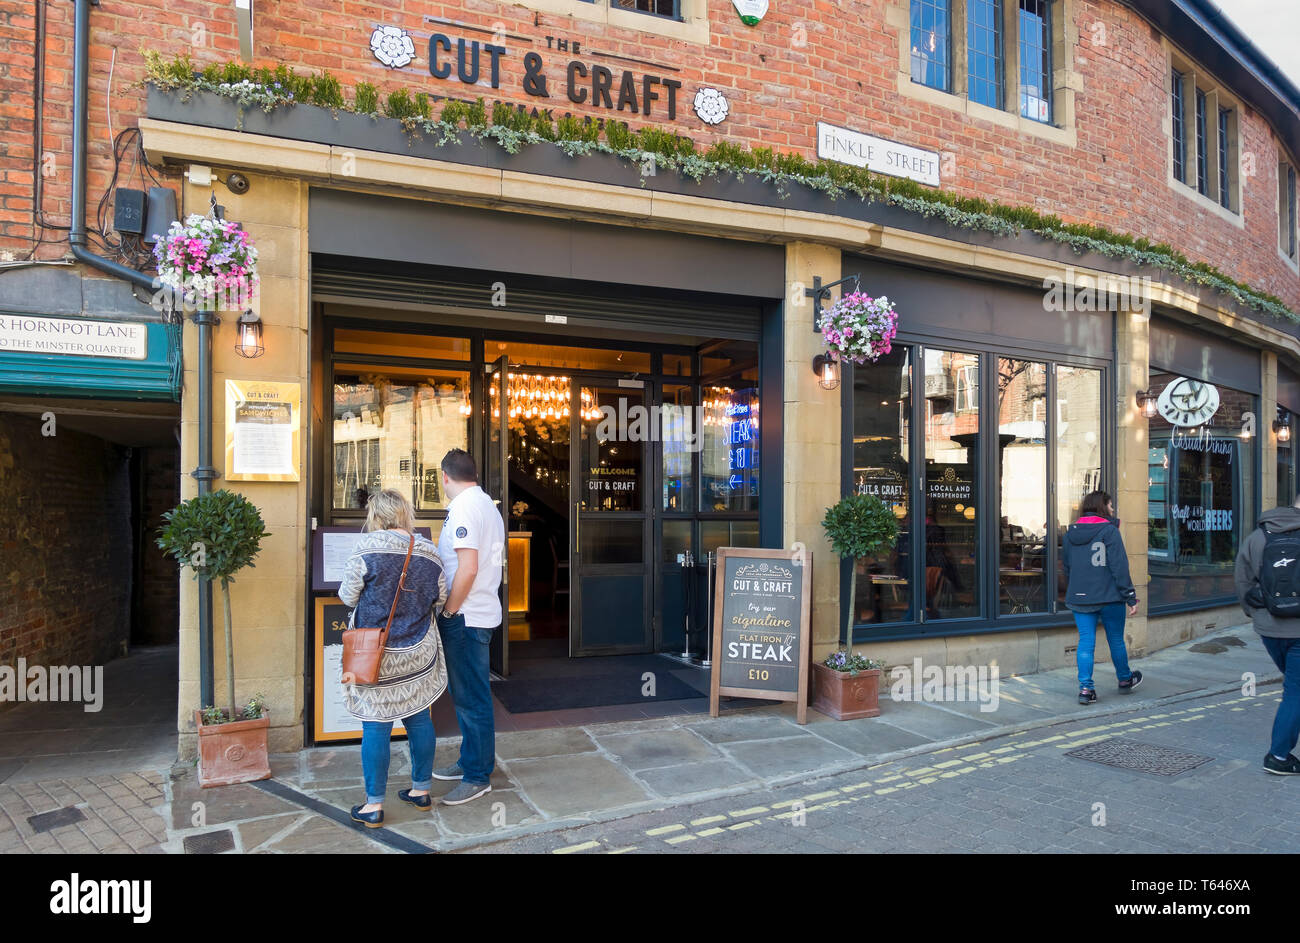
{"points": [[1200, 488], [1078, 448], [1022, 453], [952, 431], [881, 407], [391, 430]]}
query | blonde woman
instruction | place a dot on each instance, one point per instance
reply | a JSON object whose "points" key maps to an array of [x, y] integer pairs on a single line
{"points": [[413, 671]]}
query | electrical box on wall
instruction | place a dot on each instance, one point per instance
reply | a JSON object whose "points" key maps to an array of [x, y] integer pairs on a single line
{"points": [[128, 211], [162, 213]]}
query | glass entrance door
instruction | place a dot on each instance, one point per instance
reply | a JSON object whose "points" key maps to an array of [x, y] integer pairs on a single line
{"points": [[496, 479], [610, 528]]}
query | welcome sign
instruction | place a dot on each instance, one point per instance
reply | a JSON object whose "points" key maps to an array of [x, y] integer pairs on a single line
{"points": [[761, 638]]}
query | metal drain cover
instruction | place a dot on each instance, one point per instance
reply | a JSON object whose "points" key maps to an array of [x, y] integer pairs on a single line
{"points": [[210, 843], [1143, 757]]}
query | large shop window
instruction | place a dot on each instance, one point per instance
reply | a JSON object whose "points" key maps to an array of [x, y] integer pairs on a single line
{"points": [[1201, 489], [991, 442], [391, 429]]}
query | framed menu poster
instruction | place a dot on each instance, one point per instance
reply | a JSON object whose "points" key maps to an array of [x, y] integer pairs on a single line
{"points": [[263, 430], [331, 720]]}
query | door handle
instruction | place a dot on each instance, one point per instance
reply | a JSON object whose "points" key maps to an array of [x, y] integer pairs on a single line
{"points": [[577, 528]]}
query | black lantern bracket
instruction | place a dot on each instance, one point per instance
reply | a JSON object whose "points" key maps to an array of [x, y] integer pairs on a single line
{"points": [[820, 292]]}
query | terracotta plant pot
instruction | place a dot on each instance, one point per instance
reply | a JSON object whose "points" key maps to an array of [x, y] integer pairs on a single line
{"points": [[840, 695], [233, 753]]}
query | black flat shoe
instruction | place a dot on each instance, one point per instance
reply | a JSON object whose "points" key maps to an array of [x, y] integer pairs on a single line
{"points": [[420, 802], [368, 819]]}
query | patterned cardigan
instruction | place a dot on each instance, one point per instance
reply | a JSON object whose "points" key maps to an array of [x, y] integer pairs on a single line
{"points": [[370, 580]]}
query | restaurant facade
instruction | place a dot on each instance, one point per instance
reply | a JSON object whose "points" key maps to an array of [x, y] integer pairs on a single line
{"points": [[628, 348]]}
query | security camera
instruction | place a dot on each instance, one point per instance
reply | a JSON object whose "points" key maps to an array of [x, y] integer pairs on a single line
{"points": [[237, 183]]}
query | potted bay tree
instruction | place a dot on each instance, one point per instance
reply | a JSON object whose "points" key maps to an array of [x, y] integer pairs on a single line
{"points": [[846, 685], [217, 535]]}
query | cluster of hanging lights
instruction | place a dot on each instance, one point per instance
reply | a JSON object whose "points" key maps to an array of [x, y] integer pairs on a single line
{"points": [[721, 408], [535, 396]]}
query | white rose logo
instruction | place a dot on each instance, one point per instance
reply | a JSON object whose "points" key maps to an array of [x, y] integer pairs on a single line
{"points": [[711, 106], [392, 46]]}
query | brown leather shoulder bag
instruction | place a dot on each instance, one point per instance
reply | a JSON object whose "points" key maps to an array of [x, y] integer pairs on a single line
{"points": [[363, 649]]}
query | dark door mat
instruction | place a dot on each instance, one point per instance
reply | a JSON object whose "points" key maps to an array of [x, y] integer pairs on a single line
{"points": [[521, 695], [1122, 753]]}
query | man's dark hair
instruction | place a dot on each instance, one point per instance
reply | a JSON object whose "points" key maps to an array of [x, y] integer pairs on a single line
{"points": [[459, 466], [1094, 504]]}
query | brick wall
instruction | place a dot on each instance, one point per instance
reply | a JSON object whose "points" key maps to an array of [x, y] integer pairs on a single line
{"points": [[157, 601], [65, 534], [845, 72]]}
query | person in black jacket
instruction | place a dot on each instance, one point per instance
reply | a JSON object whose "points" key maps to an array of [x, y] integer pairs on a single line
{"points": [[1099, 588]]}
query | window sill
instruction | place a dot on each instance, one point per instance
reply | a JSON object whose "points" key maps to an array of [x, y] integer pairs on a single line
{"points": [[692, 28], [1204, 202], [1292, 264], [1064, 136]]}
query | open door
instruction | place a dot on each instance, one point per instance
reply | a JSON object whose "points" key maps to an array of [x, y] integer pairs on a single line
{"points": [[496, 479], [610, 539]]}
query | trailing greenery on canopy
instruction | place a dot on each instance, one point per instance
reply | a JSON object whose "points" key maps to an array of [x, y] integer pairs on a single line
{"points": [[513, 128]]}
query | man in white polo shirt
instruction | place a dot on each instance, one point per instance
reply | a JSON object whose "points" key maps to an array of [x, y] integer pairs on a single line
{"points": [[471, 545]]}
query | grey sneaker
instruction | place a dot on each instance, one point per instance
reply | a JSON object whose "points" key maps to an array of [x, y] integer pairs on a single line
{"points": [[465, 792], [450, 773]]}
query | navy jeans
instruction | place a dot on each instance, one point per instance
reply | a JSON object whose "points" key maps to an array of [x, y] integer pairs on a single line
{"points": [[375, 753], [1285, 653], [1112, 617], [466, 648]]}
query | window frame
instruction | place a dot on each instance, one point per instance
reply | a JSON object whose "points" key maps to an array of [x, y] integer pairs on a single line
{"points": [[947, 62], [1202, 159], [1288, 213], [997, 55], [1044, 66], [989, 485], [1061, 81]]}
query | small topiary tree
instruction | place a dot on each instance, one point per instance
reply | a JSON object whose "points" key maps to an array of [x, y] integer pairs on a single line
{"points": [[215, 534], [860, 525]]}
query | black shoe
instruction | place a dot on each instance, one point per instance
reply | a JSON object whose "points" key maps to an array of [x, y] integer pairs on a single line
{"points": [[1126, 687], [1087, 696], [1288, 767], [368, 819], [420, 802]]}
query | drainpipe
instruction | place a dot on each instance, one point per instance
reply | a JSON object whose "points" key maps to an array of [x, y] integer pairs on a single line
{"points": [[205, 320]]}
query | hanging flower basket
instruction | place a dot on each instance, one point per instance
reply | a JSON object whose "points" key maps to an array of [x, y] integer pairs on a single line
{"points": [[859, 328], [207, 264]]}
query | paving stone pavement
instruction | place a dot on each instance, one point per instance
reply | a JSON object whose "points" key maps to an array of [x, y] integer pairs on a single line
{"points": [[1021, 793], [563, 782]]}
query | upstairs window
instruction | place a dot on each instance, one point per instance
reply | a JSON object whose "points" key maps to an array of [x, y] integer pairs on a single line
{"points": [[1286, 210], [1035, 60], [984, 51], [1225, 190], [931, 29], [1179, 132], [1202, 144], [1203, 130], [665, 8]]}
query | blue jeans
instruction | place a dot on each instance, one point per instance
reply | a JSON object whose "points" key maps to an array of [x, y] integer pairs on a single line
{"points": [[466, 648], [375, 754], [1112, 618], [1285, 653]]}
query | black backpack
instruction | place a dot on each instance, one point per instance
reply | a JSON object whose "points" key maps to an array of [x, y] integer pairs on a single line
{"points": [[1279, 573]]}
